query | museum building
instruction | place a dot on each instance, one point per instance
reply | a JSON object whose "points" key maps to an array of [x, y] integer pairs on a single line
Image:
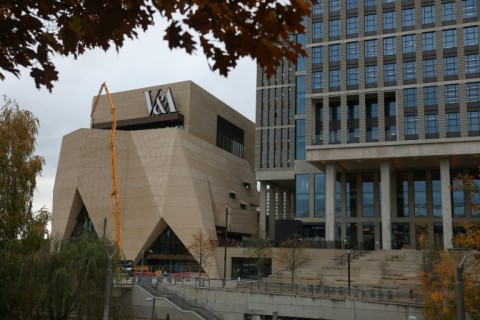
{"points": [[182, 156]]}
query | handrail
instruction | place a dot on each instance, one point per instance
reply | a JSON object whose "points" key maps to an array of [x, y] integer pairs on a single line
{"points": [[340, 260]]}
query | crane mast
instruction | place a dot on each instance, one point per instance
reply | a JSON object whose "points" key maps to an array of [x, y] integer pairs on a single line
{"points": [[115, 196]]}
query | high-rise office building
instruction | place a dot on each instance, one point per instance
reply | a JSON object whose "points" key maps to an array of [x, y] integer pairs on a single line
{"points": [[362, 140]]}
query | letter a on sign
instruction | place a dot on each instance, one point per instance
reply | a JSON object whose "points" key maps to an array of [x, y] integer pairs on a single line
{"points": [[161, 105]]}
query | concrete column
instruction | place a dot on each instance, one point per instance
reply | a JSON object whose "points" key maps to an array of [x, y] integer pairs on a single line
{"points": [[271, 212], [330, 179], [262, 221], [386, 201], [446, 203]]}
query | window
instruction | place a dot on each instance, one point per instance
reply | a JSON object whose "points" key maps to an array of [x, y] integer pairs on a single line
{"points": [[317, 55], [300, 151], [317, 80], [408, 17], [371, 23], [389, 46], [409, 43], [300, 88], [470, 36], [451, 94], [458, 195], [334, 29], [428, 41], [371, 75], [453, 122], [402, 194], [473, 121], [353, 111], [352, 76], [372, 109], [352, 25], [388, 20], [411, 125], [390, 72], [368, 196], [388, 1], [352, 51], [429, 68], [370, 48], [334, 53], [448, 11], [449, 38], [334, 78], [230, 137], [430, 96], [317, 30], [450, 66], [420, 193], [472, 63], [352, 4], [334, 6], [410, 97], [431, 124], [469, 9], [318, 7], [473, 92], [370, 3], [409, 70], [302, 195], [428, 14], [319, 195]]}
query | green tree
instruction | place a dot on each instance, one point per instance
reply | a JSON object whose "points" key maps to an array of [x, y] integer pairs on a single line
{"points": [[260, 252], [22, 232], [292, 256], [33, 31]]}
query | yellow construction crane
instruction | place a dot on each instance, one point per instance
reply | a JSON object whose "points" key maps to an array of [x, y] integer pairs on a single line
{"points": [[116, 199]]}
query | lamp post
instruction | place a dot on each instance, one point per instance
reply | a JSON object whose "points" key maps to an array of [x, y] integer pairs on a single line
{"points": [[459, 281], [110, 249], [154, 298], [459, 289], [225, 244], [141, 272]]}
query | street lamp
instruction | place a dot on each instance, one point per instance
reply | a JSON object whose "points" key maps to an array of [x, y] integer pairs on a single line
{"points": [[459, 289], [110, 249], [154, 298], [459, 284], [227, 209]]}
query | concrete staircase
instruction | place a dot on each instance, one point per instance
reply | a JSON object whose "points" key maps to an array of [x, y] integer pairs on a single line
{"points": [[181, 302], [383, 269]]}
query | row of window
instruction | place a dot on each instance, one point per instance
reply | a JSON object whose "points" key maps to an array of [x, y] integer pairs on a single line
{"points": [[334, 25], [334, 6], [409, 44], [452, 124], [429, 71], [448, 14]]}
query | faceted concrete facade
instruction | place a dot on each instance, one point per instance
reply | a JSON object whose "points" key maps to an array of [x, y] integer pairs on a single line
{"points": [[174, 177]]}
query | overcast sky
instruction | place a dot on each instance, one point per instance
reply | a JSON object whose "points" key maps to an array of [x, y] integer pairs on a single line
{"points": [[142, 62]]}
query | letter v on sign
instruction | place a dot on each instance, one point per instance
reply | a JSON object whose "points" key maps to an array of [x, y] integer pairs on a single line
{"points": [[160, 106]]}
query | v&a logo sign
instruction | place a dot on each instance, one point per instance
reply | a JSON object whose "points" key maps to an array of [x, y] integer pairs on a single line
{"points": [[162, 104]]}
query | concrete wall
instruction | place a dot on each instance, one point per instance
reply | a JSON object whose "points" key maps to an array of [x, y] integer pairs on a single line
{"points": [[232, 305]]}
